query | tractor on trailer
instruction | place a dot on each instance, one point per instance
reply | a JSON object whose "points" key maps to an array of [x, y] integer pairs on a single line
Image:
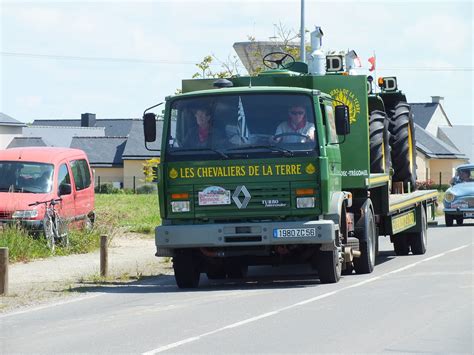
{"points": [[243, 193]]}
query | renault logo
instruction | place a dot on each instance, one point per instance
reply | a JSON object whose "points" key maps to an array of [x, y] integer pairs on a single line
{"points": [[236, 196]]}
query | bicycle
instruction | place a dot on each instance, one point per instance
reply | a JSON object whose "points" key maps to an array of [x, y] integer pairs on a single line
{"points": [[55, 228]]}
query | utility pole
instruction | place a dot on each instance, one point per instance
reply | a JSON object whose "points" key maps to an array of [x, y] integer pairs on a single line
{"points": [[302, 46]]}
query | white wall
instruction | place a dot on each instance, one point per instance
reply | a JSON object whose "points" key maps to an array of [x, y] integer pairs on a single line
{"points": [[438, 119], [7, 133]]}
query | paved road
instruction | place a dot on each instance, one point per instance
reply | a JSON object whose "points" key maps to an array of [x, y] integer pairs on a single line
{"points": [[421, 304]]}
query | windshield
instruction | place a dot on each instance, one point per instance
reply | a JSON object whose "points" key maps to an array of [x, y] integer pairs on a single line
{"points": [[463, 174], [222, 126], [25, 177]]}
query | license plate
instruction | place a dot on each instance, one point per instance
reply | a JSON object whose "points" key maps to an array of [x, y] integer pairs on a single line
{"points": [[468, 214], [294, 232]]}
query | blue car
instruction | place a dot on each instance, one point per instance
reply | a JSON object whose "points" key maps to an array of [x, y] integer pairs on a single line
{"points": [[459, 198]]}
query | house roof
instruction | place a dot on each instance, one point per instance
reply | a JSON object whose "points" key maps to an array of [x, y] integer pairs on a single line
{"points": [[135, 147], [6, 120], [422, 112], [434, 147], [102, 151], [114, 127], [460, 137], [62, 136], [19, 142]]}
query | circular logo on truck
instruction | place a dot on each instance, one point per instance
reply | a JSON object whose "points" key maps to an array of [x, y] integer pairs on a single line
{"points": [[349, 99], [173, 173]]}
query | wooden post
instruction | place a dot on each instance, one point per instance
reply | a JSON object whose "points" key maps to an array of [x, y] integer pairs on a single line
{"points": [[3, 271], [104, 256], [440, 180], [98, 182], [134, 185]]}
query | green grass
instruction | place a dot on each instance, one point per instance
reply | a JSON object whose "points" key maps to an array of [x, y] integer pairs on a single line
{"points": [[132, 213], [114, 214]]}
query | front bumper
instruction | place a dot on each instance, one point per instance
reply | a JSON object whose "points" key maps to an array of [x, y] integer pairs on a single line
{"points": [[241, 234], [464, 212], [32, 225]]}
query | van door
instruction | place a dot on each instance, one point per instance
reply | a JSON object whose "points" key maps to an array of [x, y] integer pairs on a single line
{"points": [[84, 189], [67, 206]]}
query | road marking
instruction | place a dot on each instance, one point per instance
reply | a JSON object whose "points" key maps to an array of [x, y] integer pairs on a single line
{"points": [[51, 305], [301, 303]]}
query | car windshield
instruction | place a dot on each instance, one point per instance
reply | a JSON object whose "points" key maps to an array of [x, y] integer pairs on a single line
{"points": [[25, 177], [223, 126], [463, 174]]}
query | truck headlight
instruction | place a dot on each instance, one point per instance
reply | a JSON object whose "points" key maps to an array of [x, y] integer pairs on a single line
{"points": [[304, 202], [449, 196], [25, 214], [180, 206]]}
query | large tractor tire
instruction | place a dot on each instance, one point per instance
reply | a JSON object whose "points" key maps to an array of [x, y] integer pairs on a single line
{"points": [[380, 159], [403, 146]]}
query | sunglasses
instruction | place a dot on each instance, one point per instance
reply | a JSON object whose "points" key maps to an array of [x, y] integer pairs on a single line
{"points": [[297, 112]]}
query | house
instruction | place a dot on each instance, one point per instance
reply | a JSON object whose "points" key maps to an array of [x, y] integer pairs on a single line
{"points": [[459, 136], [435, 159], [9, 129]]}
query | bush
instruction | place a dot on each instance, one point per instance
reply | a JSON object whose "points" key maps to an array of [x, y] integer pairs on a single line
{"points": [[106, 188], [146, 189]]}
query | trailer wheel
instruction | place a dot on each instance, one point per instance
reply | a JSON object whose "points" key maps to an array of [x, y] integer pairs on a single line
{"points": [[419, 240], [403, 146], [329, 266], [400, 245], [459, 221], [448, 219], [380, 160], [366, 262], [186, 269]]}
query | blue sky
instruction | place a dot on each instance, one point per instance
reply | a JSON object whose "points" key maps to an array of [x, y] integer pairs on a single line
{"points": [[61, 58]]}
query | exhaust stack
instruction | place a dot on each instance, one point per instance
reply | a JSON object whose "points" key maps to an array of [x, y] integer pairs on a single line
{"points": [[317, 58]]}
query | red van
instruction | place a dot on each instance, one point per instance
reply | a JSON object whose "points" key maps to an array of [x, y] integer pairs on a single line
{"points": [[32, 174]]}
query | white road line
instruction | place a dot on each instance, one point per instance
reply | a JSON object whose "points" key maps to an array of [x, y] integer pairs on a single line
{"points": [[310, 300], [51, 305]]}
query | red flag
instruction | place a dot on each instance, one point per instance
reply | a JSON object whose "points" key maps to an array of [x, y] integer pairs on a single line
{"points": [[372, 63]]}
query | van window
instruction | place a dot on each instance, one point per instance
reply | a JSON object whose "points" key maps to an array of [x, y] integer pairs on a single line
{"points": [[81, 173], [29, 177], [63, 176]]}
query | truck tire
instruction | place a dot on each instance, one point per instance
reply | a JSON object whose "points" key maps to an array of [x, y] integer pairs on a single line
{"points": [[216, 272], [367, 246], [403, 146], [329, 266], [186, 269], [400, 245], [419, 240], [380, 160], [459, 221], [448, 219]]}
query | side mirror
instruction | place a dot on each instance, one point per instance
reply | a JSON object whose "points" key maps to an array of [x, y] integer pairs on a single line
{"points": [[343, 125], [65, 189], [149, 127]]}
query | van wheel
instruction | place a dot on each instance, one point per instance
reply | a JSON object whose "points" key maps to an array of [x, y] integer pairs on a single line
{"points": [[186, 269]]}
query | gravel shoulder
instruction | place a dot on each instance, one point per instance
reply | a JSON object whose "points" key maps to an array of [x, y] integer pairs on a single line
{"points": [[38, 282]]}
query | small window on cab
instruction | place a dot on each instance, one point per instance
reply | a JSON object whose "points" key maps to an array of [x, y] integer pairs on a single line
{"points": [[63, 176], [81, 173]]}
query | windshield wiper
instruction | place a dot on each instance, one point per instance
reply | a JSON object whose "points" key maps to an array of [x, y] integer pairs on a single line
{"points": [[222, 154], [287, 152]]}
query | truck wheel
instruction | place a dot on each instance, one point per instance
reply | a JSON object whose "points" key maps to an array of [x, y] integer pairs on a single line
{"points": [[459, 221], [419, 240], [380, 160], [400, 244], [186, 269], [403, 146], [366, 262], [448, 219], [236, 270], [329, 266]]}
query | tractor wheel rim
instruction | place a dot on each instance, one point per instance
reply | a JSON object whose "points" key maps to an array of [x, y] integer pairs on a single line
{"points": [[410, 148]]}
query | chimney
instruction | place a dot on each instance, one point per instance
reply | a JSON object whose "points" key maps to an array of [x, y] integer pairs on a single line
{"points": [[88, 120], [437, 99]]}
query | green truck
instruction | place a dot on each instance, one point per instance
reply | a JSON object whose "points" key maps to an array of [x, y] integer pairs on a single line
{"points": [[252, 186]]}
